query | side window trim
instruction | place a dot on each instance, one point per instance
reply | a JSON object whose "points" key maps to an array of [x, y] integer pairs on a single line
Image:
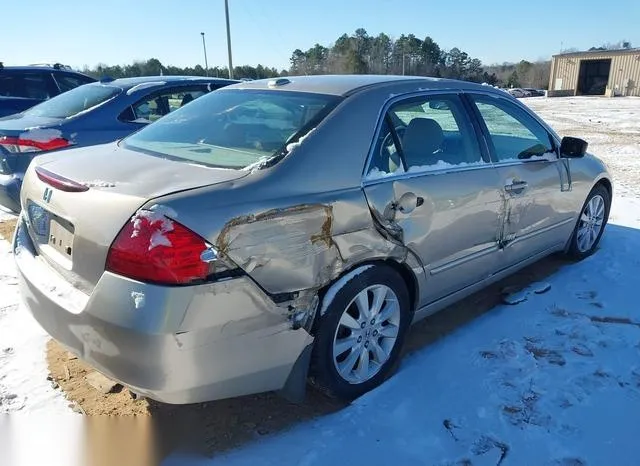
{"points": [[479, 127], [383, 118], [487, 135], [396, 140]]}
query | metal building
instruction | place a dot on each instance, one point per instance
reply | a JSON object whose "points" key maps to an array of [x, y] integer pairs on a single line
{"points": [[597, 72]]}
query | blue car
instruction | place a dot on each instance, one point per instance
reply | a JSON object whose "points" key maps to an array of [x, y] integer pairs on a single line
{"points": [[22, 87], [91, 114]]}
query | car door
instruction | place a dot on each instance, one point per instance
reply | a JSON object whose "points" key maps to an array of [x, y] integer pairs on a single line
{"points": [[430, 187], [534, 180]]}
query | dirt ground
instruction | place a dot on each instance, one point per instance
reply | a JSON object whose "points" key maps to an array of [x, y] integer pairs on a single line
{"points": [[6, 229], [215, 427]]}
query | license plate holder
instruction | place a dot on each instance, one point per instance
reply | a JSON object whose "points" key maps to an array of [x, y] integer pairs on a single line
{"points": [[61, 239]]}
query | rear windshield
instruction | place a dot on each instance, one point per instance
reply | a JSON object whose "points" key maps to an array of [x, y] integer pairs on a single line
{"points": [[233, 128], [74, 101]]}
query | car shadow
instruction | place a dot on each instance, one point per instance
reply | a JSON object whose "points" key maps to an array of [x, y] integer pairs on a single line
{"points": [[215, 427]]}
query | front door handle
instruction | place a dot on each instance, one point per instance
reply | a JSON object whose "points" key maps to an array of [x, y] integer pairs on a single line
{"points": [[516, 186]]}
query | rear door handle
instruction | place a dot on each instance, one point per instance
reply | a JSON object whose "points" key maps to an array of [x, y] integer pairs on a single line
{"points": [[516, 186], [408, 203]]}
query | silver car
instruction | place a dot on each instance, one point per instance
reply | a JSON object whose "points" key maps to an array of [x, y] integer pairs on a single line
{"points": [[277, 231]]}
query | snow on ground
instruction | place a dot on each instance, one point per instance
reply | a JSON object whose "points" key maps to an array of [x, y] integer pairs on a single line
{"points": [[23, 371], [551, 380], [610, 126], [5, 215]]}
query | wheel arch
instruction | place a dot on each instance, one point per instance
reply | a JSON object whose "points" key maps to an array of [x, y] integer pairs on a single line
{"points": [[608, 185], [401, 268]]}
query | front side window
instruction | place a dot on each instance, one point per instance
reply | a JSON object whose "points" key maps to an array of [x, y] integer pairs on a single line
{"points": [[514, 135], [425, 134], [71, 103], [233, 128]]}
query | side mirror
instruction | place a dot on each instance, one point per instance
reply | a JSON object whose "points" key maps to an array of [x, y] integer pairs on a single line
{"points": [[573, 147]]}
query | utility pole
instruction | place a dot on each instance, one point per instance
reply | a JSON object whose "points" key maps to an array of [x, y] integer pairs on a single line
{"points": [[226, 12], [204, 47], [402, 64]]}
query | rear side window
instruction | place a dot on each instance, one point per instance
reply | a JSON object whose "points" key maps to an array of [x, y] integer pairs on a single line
{"points": [[234, 128], [514, 134], [424, 134], [75, 101], [159, 104], [26, 85], [66, 82]]}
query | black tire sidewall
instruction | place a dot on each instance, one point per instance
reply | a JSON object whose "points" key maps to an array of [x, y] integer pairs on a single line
{"points": [[574, 251], [323, 369]]}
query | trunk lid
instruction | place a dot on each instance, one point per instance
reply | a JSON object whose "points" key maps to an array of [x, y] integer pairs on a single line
{"points": [[74, 230]]}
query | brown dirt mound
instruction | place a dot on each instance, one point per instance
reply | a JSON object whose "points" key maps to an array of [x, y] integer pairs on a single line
{"points": [[6, 229]]}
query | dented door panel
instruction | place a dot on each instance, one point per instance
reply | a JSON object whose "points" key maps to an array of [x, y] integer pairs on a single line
{"points": [[540, 215], [455, 230]]}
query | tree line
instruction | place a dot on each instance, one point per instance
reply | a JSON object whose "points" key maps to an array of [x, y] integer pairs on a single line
{"points": [[410, 55], [153, 67], [364, 54]]}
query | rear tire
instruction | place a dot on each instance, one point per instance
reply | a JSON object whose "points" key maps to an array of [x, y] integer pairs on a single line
{"points": [[361, 334], [591, 223]]}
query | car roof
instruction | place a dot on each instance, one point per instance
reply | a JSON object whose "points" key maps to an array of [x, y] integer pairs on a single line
{"points": [[128, 83], [52, 69], [347, 84]]}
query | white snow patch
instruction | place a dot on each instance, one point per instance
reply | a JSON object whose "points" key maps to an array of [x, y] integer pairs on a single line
{"points": [[440, 165], [522, 295], [138, 299], [337, 286], [255, 166], [98, 184], [156, 214], [294, 145], [6, 214], [38, 134], [23, 370]]}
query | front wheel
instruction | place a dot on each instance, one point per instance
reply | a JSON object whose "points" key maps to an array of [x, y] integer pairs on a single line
{"points": [[360, 335], [590, 226]]}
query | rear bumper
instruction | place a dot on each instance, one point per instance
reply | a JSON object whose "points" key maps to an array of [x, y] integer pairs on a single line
{"points": [[179, 345], [10, 192]]}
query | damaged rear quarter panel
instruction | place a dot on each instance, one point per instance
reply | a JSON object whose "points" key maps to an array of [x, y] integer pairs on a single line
{"points": [[304, 246]]}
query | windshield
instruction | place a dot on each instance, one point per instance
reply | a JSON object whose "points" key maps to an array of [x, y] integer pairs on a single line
{"points": [[233, 128], [76, 100]]}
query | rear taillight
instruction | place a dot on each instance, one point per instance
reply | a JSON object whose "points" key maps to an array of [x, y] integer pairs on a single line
{"points": [[20, 145], [153, 248]]}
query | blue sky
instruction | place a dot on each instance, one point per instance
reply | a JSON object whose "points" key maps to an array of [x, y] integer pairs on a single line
{"points": [[120, 31]]}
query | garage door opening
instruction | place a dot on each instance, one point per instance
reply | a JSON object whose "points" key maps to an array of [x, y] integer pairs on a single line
{"points": [[593, 77]]}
